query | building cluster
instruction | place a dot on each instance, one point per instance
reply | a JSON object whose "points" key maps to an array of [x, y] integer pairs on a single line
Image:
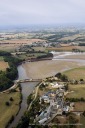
{"points": [[45, 44], [56, 104]]}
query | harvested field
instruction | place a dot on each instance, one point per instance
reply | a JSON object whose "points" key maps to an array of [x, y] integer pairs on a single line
{"points": [[71, 37], [11, 45], [67, 48], [81, 48], [3, 65], [82, 121], [20, 41], [43, 69], [65, 45], [79, 106], [9, 48]]}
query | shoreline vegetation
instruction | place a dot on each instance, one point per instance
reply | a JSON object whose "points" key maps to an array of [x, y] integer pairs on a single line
{"points": [[11, 73]]}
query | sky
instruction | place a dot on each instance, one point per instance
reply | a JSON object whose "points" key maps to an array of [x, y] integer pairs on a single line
{"points": [[28, 12]]}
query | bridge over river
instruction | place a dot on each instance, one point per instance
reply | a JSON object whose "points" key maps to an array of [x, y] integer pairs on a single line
{"points": [[28, 80]]}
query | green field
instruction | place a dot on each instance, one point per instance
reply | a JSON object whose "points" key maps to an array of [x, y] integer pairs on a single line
{"points": [[29, 55], [6, 112], [77, 73], [1, 58], [78, 91], [39, 48], [82, 121]]}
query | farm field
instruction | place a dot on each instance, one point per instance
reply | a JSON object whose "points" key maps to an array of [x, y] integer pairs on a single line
{"points": [[20, 41], [82, 121], [77, 73], [67, 48], [9, 48], [12, 45], [39, 48], [72, 37], [3, 65], [79, 106], [10, 110], [1, 58], [78, 91]]}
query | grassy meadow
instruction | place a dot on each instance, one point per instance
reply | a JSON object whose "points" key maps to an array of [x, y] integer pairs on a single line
{"points": [[78, 91], [6, 112], [77, 73]]}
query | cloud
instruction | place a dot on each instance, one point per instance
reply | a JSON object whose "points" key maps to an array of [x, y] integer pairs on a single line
{"points": [[41, 11]]}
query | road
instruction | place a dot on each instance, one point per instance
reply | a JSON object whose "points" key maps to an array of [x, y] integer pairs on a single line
{"points": [[13, 87], [36, 92]]}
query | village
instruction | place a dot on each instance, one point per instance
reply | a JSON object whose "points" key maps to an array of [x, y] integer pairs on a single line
{"points": [[56, 103]]}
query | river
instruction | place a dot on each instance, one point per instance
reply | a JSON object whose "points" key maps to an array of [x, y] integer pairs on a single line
{"points": [[27, 89]]}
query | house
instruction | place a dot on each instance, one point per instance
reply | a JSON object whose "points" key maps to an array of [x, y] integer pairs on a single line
{"points": [[52, 94], [66, 109], [45, 98], [42, 121], [60, 94], [56, 85]]}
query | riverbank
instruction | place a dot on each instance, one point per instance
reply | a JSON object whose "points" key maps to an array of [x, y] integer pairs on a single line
{"points": [[43, 69]]}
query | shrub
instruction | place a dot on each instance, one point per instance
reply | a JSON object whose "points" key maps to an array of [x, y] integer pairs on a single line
{"points": [[11, 99], [7, 103]]}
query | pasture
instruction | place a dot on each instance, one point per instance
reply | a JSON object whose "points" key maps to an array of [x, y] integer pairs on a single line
{"points": [[6, 112], [76, 74], [78, 91]]}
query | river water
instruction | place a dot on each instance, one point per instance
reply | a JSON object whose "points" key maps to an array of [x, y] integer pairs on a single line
{"points": [[27, 89], [62, 56]]}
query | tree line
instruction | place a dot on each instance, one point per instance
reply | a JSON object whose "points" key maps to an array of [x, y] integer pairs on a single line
{"points": [[11, 73]]}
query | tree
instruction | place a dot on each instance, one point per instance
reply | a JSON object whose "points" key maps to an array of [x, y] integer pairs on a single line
{"points": [[81, 80], [76, 82], [64, 78], [11, 99], [66, 87], [7, 103], [84, 113], [58, 75]]}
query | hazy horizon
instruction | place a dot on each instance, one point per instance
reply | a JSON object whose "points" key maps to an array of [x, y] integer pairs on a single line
{"points": [[41, 12]]}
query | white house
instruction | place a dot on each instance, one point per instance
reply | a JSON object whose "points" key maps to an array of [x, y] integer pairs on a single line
{"points": [[43, 121], [45, 98], [56, 85], [66, 109]]}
